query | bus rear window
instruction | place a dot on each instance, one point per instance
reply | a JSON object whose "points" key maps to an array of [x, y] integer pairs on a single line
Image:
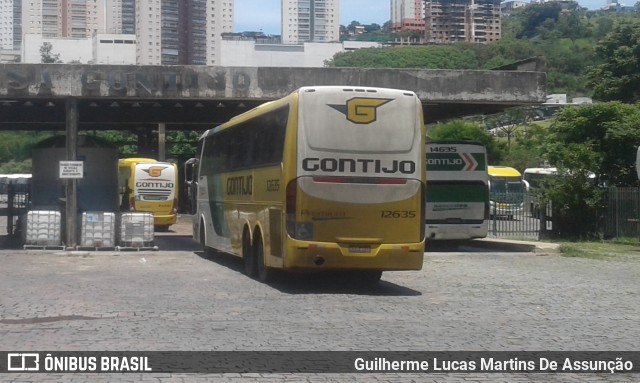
{"points": [[327, 126]]}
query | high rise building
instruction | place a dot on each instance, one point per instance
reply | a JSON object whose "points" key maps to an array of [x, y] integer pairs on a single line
{"points": [[449, 21], [310, 21], [168, 32], [181, 32], [10, 24], [407, 15]]}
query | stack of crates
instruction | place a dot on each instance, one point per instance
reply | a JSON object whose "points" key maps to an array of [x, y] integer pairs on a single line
{"points": [[43, 228], [136, 229], [98, 229]]}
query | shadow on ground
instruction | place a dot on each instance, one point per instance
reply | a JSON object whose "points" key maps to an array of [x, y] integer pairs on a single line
{"points": [[323, 282]]}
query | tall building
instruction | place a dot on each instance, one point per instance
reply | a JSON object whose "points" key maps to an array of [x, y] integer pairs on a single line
{"points": [[407, 15], [168, 32], [10, 24], [181, 32], [449, 21], [63, 18], [310, 21]]}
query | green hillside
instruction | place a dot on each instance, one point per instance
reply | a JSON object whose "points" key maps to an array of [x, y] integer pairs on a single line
{"points": [[565, 38]]}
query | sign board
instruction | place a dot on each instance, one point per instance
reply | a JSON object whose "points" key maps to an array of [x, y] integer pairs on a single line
{"points": [[71, 169]]}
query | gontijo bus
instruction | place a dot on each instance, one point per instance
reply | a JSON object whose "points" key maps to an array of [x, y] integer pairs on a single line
{"points": [[457, 190], [329, 177], [147, 185]]}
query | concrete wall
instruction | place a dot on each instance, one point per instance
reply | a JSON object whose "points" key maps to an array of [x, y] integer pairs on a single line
{"points": [[246, 53], [201, 82], [84, 50], [69, 49]]}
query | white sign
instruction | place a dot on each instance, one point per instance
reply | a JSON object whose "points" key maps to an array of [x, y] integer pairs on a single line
{"points": [[71, 169]]}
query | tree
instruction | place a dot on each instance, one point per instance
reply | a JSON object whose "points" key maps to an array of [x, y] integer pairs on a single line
{"points": [[46, 54], [618, 78], [599, 140], [464, 130]]}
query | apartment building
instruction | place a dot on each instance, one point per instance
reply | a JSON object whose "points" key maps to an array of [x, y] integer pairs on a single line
{"points": [[10, 24], [310, 21], [450, 21], [181, 32], [407, 15]]}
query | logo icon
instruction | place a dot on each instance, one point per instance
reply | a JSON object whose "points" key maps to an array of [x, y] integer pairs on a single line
{"points": [[360, 110], [23, 361], [154, 171]]}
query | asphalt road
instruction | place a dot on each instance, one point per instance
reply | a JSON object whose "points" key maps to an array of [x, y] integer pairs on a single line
{"points": [[178, 299]]}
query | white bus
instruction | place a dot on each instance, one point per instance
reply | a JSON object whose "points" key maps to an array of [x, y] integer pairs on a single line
{"points": [[327, 178], [457, 190]]}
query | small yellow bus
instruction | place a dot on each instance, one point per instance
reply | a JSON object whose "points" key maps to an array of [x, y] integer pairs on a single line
{"points": [[147, 185], [327, 178], [506, 190]]}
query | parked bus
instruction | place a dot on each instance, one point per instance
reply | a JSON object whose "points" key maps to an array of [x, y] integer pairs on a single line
{"points": [[457, 190], [506, 192], [534, 179], [327, 178], [147, 185]]}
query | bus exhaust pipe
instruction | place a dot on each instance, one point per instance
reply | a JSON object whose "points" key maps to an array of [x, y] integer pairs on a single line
{"points": [[318, 260]]}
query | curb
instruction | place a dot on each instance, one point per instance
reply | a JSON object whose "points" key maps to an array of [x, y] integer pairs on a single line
{"points": [[518, 246]]}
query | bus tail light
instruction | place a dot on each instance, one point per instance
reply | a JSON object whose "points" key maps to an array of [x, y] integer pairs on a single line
{"points": [[423, 210], [174, 208], [291, 196], [132, 204]]}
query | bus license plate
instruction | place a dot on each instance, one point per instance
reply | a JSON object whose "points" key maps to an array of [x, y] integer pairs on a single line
{"points": [[359, 249]]}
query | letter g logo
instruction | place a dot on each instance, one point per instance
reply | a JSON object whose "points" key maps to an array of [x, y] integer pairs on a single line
{"points": [[155, 171], [361, 110]]}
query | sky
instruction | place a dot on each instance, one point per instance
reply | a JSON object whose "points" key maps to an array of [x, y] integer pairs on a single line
{"points": [[256, 15]]}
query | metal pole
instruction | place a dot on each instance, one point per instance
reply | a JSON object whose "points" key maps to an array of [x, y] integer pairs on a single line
{"points": [[161, 142], [71, 201]]}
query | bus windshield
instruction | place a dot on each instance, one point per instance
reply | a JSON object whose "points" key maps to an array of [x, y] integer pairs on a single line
{"points": [[506, 185]]}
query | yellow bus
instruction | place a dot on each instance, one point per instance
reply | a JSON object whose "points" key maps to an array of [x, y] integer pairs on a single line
{"points": [[147, 185], [506, 191], [327, 178]]}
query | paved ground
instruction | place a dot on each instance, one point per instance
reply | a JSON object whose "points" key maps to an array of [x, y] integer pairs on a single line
{"points": [[467, 298]]}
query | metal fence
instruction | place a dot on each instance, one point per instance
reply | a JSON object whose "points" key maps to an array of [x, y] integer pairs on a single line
{"points": [[517, 215], [15, 199], [620, 217]]}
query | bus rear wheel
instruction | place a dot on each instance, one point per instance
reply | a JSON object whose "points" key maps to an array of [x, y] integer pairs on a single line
{"points": [[248, 258], [265, 273]]}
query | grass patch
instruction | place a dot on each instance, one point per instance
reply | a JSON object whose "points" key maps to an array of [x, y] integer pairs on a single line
{"points": [[599, 250]]}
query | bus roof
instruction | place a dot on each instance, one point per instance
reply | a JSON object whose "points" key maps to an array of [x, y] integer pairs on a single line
{"points": [[135, 160], [454, 142], [503, 171], [545, 171]]}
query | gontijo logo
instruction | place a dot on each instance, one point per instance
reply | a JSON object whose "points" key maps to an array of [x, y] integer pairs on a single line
{"points": [[154, 171], [360, 110]]}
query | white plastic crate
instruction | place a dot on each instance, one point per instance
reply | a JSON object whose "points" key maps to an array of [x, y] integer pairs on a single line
{"points": [[43, 228], [98, 229], [136, 229]]}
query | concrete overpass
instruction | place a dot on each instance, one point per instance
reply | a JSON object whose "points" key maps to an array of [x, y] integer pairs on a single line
{"points": [[68, 97], [35, 96]]}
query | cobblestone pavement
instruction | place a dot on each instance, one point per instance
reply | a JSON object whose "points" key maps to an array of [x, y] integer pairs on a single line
{"points": [[178, 299]]}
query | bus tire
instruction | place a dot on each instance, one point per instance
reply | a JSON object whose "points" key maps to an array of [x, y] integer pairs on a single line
{"points": [[265, 273], [248, 257], [203, 243]]}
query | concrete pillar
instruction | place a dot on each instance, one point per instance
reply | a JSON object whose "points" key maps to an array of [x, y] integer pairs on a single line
{"points": [[71, 201]]}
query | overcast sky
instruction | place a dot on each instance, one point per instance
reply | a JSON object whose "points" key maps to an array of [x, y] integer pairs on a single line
{"points": [[256, 15]]}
